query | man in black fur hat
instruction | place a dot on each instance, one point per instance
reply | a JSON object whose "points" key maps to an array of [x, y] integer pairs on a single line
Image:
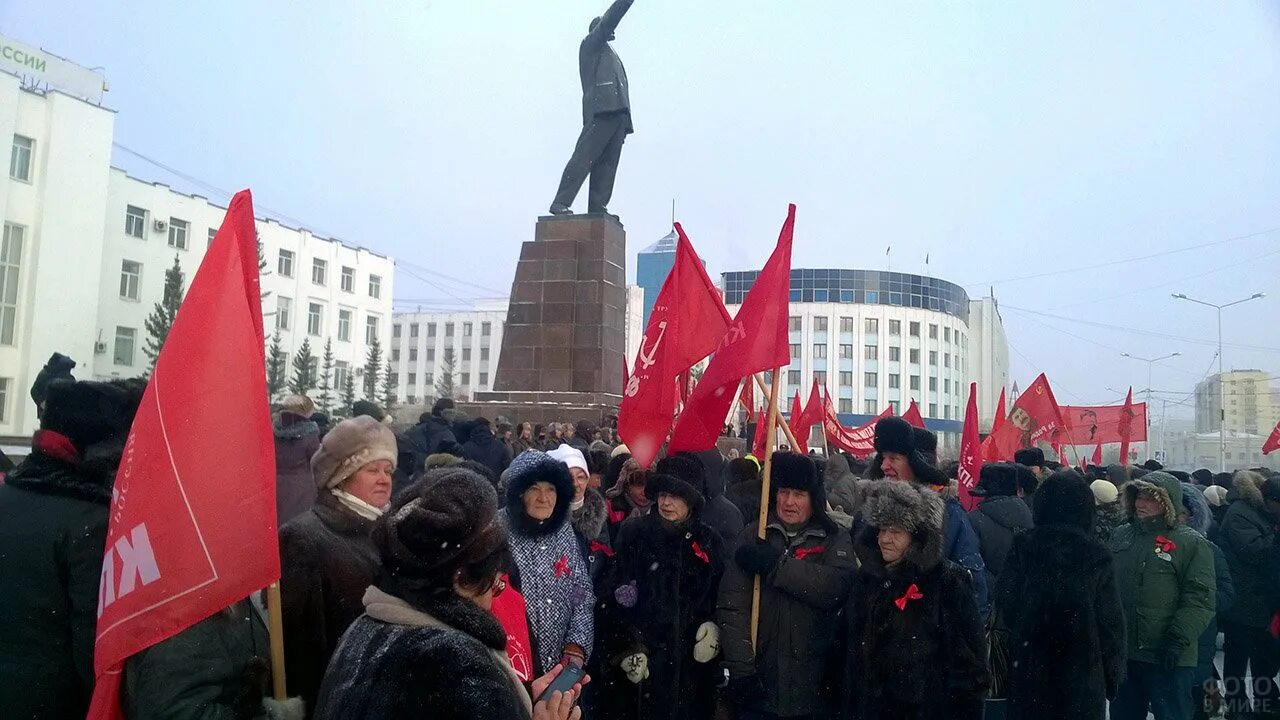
{"points": [[898, 457], [805, 565]]}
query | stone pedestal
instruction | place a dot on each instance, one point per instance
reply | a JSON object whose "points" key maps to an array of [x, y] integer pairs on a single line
{"points": [[565, 335]]}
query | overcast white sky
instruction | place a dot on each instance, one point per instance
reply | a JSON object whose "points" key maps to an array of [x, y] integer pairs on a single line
{"points": [[1002, 139]]}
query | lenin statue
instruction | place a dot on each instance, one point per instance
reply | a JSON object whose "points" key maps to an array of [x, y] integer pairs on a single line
{"points": [[606, 117]]}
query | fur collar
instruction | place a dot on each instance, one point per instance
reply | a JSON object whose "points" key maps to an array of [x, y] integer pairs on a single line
{"points": [[1247, 486], [1133, 487], [590, 518], [91, 479], [294, 431]]}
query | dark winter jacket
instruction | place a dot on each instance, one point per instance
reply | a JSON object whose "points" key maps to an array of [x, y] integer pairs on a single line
{"points": [[915, 646], [590, 523], [431, 435], [400, 662], [1248, 539], [217, 669], [674, 571], [960, 546], [745, 496], [485, 448], [1109, 517], [327, 561], [1200, 519], [719, 512], [1166, 577], [1058, 597], [295, 485], [53, 528], [800, 602], [842, 486], [996, 521]]}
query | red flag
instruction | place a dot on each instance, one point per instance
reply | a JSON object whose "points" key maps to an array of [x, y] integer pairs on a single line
{"points": [[688, 321], [912, 415], [1125, 429], [810, 416], [1273, 441], [858, 442], [509, 608], [1085, 424], [626, 373], [796, 420], [1096, 460], [1035, 417], [192, 526], [1001, 415], [759, 444], [970, 450], [756, 341], [747, 397]]}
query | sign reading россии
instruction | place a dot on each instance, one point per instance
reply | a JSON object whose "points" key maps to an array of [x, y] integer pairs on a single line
{"points": [[43, 70]]}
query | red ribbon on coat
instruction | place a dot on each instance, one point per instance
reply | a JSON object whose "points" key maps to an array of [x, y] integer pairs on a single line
{"points": [[562, 566], [599, 547], [912, 593], [802, 553], [702, 554], [1165, 544]]}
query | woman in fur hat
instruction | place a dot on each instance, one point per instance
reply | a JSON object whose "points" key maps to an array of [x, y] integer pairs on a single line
{"points": [[660, 616], [549, 569], [427, 644], [805, 564], [327, 558], [916, 646], [626, 498], [899, 458], [1059, 600]]}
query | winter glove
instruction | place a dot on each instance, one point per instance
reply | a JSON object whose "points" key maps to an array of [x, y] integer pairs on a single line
{"points": [[707, 642], [759, 558], [627, 595], [636, 667], [291, 709]]}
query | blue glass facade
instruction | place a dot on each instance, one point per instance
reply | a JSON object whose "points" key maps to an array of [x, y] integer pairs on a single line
{"points": [[653, 264], [869, 287]]}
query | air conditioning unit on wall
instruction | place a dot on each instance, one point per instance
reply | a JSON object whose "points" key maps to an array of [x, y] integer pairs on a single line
{"points": [[99, 348], [160, 225]]}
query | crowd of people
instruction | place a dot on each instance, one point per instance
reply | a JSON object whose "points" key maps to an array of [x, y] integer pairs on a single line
{"points": [[1060, 594]]}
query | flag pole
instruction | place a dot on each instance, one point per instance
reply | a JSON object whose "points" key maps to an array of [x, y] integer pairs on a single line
{"points": [[776, 413], [275, 629], [763, 520]]}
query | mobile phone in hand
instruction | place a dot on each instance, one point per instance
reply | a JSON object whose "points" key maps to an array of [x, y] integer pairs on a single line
{"points": [[564, 682]]}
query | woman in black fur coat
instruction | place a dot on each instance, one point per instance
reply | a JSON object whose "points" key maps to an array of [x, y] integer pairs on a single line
{"points": [[1058, 598], [916, 647], [661, 634]]}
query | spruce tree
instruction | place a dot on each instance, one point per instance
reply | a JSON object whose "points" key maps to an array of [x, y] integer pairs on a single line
{"points": [[349, 396], [372, 369], [277, 373], [389, 383], [446, 386], [324, 401], [161, 319], [262, 270], [304, 370]]}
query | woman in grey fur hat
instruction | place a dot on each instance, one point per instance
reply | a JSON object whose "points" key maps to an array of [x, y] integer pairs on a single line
{"points": [[915, 647]]}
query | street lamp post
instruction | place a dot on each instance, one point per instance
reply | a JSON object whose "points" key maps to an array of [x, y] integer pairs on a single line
{"points": [[1150, 363], [1222, 386]]}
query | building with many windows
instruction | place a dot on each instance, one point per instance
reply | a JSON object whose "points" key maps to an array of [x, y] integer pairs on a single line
{"points": [[875, 338], [85, 248], [1250, 404], [653, 264], [430, 350]]}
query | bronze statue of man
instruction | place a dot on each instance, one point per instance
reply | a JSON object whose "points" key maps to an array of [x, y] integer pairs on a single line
{"points": [[606, 117]]}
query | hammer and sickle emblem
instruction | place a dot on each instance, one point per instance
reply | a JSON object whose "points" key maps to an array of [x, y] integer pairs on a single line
{"points": [[647, 358]]}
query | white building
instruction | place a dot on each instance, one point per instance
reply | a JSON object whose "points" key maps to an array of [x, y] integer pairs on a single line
{"points": [[988, 357], [875, 338], [419, 339], [85, 247]]}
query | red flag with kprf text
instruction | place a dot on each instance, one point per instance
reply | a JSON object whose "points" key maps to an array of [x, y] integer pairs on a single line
{"points": [[970, 451], [756, 341], [687, 323], [1035, 417], [192, 527]]}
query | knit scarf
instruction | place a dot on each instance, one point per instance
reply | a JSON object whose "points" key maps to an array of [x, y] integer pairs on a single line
{"points": [[357, 506]]}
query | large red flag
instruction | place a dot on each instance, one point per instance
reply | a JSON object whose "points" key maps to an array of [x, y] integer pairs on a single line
{"points": [[1035, 417], [912, 415], [756, 341], [1126, 428], [1105, 424], [688, 321], [970, 450], [193, 513], [796, 421], [1273, 441], [1001, 415]]}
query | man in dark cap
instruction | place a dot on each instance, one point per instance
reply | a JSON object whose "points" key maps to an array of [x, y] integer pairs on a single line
{"points": [[59, 367], [432, 435]]}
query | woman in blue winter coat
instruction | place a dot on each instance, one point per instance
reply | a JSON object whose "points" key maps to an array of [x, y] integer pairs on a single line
{"points": [[548, 568]]}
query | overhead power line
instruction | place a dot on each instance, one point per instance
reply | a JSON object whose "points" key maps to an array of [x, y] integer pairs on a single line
{"points": [[1139, 331]]}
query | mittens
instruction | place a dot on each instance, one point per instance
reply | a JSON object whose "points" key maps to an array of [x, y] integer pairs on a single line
{"points": [[636, 667], [758, 558], [706, 643]]}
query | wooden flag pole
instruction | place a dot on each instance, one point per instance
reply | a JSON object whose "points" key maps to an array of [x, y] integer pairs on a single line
{"points": [[763, 520], [776, 413], [275, 629]]}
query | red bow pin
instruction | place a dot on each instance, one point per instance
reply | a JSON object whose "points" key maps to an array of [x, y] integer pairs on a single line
{"points": [[599, 547], [702, 554], [802, 553], [912, 593], [1165, 544], [562, 566]]}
